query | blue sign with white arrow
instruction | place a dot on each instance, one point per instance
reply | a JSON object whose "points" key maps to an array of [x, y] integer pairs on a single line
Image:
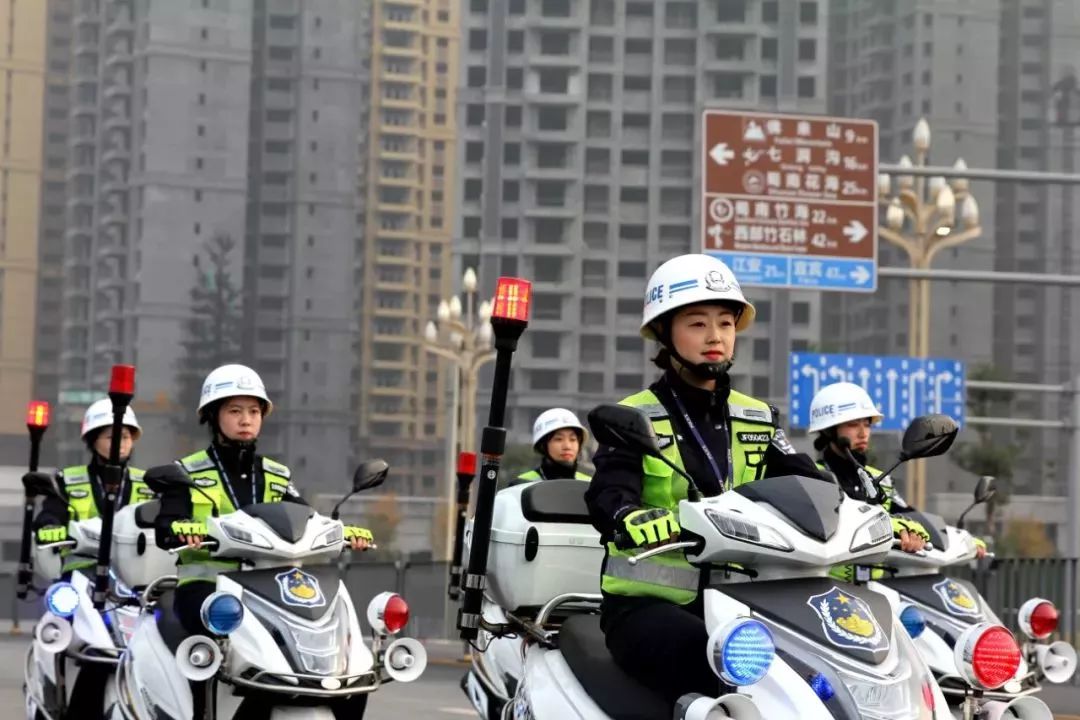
{"points": [[799, 271], [902, 387]]}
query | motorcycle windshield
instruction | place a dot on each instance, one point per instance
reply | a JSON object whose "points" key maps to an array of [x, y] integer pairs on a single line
{"points": [[287, 520], [810, 504]]}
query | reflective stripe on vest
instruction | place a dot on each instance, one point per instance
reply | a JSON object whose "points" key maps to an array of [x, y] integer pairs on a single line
{"points": [[670, 576], [196, 565]]}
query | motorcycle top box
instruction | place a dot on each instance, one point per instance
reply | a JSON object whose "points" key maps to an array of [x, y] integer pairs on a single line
{"points": [[542, 544]]}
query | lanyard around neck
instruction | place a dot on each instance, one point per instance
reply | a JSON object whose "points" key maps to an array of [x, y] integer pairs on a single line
{"points": [[724, 483]]}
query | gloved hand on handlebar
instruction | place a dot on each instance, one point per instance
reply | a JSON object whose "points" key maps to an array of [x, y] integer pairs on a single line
{"points": [[189, 532], [360, 538], [913, 536], [649, 527], [980, 547], [51, 534]]}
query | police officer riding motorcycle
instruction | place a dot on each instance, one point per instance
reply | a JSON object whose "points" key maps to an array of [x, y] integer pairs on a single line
{"points": [[558, 437], [652, 611]]}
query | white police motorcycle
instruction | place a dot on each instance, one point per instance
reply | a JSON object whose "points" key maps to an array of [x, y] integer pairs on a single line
{"points": [[940, 611], [73, 635], [282, 628], [792, 641]]}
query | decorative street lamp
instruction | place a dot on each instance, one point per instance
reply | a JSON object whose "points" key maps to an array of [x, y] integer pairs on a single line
{"points": [[464, 337], [922, 219]]}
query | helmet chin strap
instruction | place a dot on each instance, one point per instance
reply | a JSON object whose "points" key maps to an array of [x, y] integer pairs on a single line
{"points": [[702, 371]]}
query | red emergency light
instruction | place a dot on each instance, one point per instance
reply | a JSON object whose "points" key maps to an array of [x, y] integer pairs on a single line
{"points": [[37, 414], [466, 463], [123, 380], [513, 296]]}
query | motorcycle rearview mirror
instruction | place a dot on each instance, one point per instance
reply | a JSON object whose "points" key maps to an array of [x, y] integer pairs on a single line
{"points": [[928, 436], [39, 484], [163, 478], [370, 474], [984, 490], [627, 428]]}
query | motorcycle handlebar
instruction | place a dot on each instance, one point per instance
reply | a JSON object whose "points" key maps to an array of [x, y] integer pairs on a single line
{"points": [[918, 553], [205, 545], [661, 549], [57, 545]]}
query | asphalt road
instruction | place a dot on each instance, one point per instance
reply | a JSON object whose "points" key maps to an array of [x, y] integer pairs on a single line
{"points": [[436, 695]]}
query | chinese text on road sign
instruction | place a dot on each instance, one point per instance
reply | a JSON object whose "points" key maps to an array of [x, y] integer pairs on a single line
{"points": [[790, 201], [902, 388]]}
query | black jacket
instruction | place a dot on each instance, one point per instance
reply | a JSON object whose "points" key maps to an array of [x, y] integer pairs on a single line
{"points": [[616, 485], [236, 466]]}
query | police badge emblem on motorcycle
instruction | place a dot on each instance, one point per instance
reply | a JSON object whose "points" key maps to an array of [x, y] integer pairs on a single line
{"points": [[848, 621], [300, 589], [957, 599]]}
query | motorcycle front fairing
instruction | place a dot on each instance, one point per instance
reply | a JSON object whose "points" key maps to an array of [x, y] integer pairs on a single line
{"points": [[791, 531], [284, 640]]}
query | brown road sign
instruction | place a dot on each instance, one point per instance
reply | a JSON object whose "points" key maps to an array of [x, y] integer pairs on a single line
{"points": [[790, 201]]}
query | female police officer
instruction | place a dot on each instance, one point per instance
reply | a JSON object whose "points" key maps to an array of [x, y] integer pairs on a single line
{"points": [[652, 613]]}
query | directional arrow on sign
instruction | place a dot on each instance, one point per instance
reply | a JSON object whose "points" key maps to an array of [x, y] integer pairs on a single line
{"points": [[860, 275], [721, 153], [855, 231]]}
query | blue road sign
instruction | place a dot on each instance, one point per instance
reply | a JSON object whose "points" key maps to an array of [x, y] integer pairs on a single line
{"points": [[799, 271], [902, 387]]}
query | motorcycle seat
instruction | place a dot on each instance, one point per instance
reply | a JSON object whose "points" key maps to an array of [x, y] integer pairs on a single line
{"points": [[146, 513], [555, 501], [168, 624], [582, 644]]}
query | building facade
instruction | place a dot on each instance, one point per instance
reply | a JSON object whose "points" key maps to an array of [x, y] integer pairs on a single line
{"points": [[580, 129], [194, 126], [405, 246]]}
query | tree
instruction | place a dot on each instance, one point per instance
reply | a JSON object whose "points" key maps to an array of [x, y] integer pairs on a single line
{"points": [[1026, 537], [988, 455], [213, 330], [382, 519]]}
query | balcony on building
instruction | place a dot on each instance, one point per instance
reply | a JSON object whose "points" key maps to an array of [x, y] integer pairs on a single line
{"points": [[401, 43], [398, 16], [402, 70], [556, 14], [560, 86]]}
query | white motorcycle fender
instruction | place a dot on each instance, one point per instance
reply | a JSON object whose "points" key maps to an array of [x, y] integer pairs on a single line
{"points": [[153, 673], [88, 623], [360, 658], [551, 691]]}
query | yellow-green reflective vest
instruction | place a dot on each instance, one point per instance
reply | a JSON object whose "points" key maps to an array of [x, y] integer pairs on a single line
{"points": [[78, 486], [669, 576], [196, 565]]}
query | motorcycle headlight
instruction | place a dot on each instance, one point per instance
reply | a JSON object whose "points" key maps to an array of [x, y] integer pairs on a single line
{"points": [[245, 536], [739, 529], [874, 531], [331, 537]]}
